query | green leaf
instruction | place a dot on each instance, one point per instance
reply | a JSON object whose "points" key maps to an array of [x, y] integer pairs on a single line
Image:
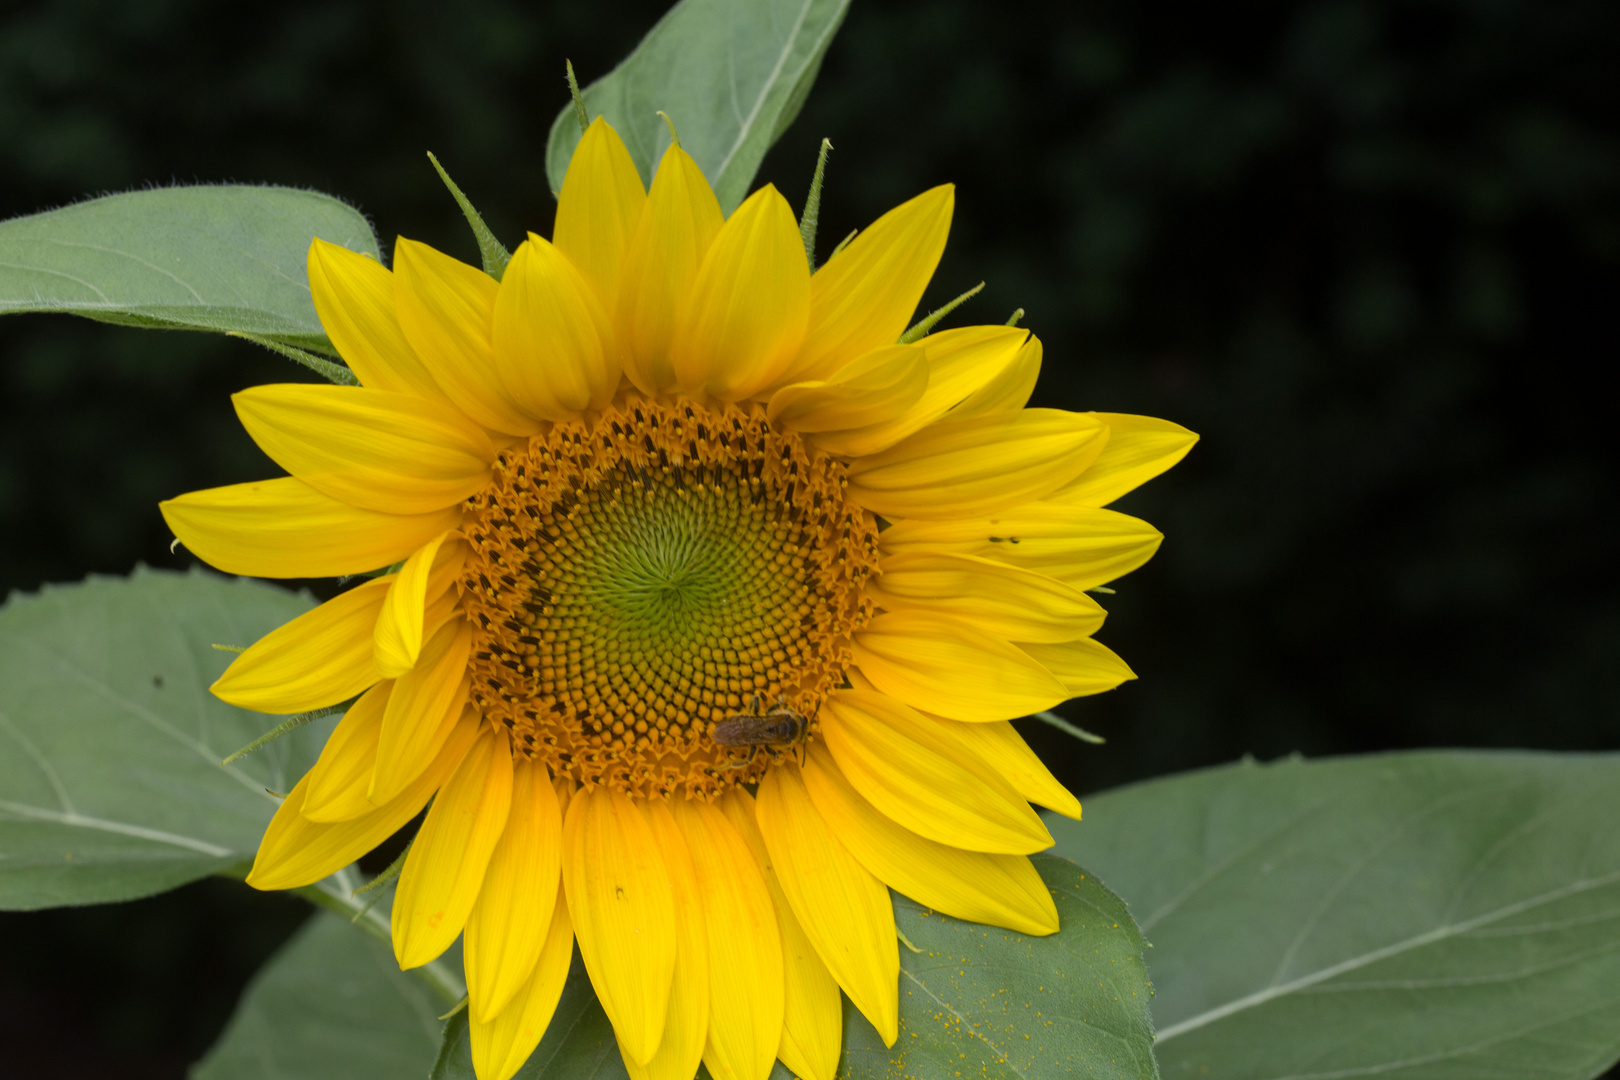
{"points": [[226, 258], [731, 74], [110, 743], [1413, 916], [331, 1005], [990, 1003]]}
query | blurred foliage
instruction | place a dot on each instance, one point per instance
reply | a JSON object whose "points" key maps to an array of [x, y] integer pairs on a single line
{"points": [[1369, 249]]}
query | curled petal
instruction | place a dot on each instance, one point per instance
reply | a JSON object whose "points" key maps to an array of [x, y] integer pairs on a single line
{"points": [[425, 578]]}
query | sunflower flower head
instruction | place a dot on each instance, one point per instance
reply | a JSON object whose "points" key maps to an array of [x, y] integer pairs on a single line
{"points": [[709, 604]]}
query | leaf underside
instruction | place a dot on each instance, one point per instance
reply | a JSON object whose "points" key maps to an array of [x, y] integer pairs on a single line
{"points": [[731, 74], [222, 258]]}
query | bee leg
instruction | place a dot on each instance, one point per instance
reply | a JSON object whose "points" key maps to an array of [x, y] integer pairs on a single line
{"points": [[756, 711]]}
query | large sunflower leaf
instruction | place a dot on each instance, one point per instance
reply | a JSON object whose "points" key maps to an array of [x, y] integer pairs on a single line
{"points": [[331, 1005], [731, 74], [225, 258], [1412, 916], [110, 743], [984, 1002]]}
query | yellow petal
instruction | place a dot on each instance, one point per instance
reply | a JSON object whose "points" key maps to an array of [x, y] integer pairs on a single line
{"points": [[677, 226], [422, 710], [446, 309], [892, 756], [620, 899], [842, 907], [286, 529], [506, 928], [1079, 545], [370, 448], [812, 1014], [959, 363], [319, 659], [296, 851], [749, 303], [952, 669], [979, 466], [1007, 601], [745, 946], [501, 1046], [1084, 667], [551, 336], [598, 207], [340, 778], [1000, 747], [426, 576], [1139, 448], [864, 297], [354, 297], [1002, 890], [870, 390], [687, 1026], [446, 866], [1009, 389]]}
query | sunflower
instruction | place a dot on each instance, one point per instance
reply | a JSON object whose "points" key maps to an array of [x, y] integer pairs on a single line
{"points": [[709, 601]]}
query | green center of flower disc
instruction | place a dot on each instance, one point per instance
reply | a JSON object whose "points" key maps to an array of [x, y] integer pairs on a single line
{"points": [[637, 578]]}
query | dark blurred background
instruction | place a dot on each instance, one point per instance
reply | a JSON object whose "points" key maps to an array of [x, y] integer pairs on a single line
{"points": [[1369, 249]]}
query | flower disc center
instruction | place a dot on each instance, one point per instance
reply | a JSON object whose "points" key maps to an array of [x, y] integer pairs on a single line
{"points": [[638, 577]]}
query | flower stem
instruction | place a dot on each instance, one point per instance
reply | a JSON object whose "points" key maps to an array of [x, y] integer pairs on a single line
{"points": [[336, 894]]}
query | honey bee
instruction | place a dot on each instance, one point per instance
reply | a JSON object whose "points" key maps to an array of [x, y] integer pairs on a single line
{"points": [[782, 726]]}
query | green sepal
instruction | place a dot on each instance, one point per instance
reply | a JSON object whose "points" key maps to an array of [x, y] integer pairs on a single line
{"points": [[1067, 728], [812, 206], [286, 727], [491, 250], [580, 114], [928, 322]]}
